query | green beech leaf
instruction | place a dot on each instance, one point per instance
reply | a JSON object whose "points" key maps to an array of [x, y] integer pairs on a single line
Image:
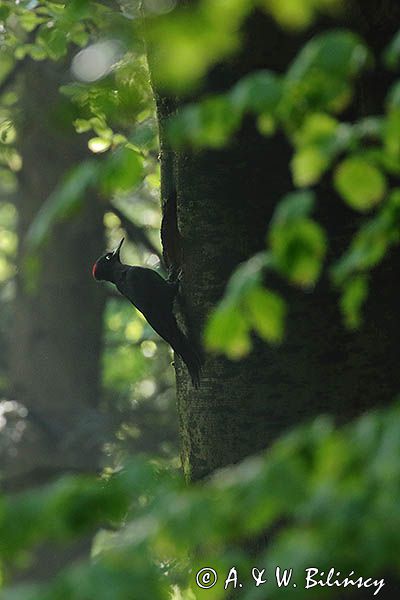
{"points": [[4, 11], [227, 331], [293, 206], [308, 165], [293, 15], [209, 123], [54, 41], [391, 55], [340, 53], [318, 129], [320, 77], [266, 312], [299, 249], [371, 242], [361, 184], [354, 294], [122, 171], [259, 92]]}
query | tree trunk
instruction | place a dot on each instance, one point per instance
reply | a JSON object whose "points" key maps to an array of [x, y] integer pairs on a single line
{"points": [[225, 199], [56, 338]]}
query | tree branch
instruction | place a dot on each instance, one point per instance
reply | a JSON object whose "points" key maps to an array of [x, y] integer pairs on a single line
{"points": [[135, 232]]}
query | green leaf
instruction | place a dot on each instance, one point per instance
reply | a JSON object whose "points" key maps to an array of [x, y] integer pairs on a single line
{"points": [[259, 92], [36, 51], [266, 313], [246, 305], [320, 77], [340, 54], [360, 257], [209, 123], [184, 44], [122, 171], [393, 96], [4, 12], [392, 135], [227, 331], [29, 20], [391, 55], [54, 41], [367, 249], [76, 10], [352, 300], [144, 135], [318, 129], [360, 184], [98, 144], [291, 13], [79, 36], [266, 125], [293, 206], [63, 202], [8, 182], [217, 122], [323, 135], [247, 275], [371, 242], [308, 165], [299, 249], [369, 127], [82, 125]]}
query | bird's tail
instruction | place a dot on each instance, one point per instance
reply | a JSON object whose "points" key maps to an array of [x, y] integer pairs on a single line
{"points": [[190, 356]]}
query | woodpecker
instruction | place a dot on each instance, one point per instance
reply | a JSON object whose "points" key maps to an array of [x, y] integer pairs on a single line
{"points": [[153, 296]]}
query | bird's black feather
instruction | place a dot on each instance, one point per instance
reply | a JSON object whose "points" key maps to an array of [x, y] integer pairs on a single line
{"points": [[154, 297]]}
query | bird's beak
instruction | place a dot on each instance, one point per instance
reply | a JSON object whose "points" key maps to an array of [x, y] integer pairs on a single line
{"points": [[116, 251]]}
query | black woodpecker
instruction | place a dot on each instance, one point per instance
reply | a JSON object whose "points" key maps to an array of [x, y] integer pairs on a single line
{"points": [[154, 297]]}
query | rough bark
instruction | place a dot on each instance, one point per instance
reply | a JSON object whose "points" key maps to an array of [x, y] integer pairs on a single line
{"points": [[225, 199]]}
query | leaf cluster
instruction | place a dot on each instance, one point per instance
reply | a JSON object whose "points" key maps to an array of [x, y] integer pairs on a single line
{"points": [[320, 496]]}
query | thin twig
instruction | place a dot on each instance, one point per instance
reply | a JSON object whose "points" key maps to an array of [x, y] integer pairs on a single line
{"points": [[135, 232]]}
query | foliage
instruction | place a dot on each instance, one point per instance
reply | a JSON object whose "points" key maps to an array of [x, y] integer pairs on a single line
{"points": [[321, 495], [247, 306], [114, 110], [364, 157], [305, 102], [297, 249]]}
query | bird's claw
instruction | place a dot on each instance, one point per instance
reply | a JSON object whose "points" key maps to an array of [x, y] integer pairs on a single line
{"points": [[175, 275]]}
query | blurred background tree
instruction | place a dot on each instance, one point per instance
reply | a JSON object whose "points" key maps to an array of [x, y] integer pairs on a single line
{"points": [[271, 131], [55, 346]]}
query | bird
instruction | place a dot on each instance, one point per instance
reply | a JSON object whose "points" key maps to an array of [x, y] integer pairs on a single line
{"points": [[154, 297]]}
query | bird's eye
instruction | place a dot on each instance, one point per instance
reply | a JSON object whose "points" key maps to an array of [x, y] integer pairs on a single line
{"points": [[108, 256]]}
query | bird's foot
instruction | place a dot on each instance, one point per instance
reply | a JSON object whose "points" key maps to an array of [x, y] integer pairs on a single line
{"points": [[175, 275]]}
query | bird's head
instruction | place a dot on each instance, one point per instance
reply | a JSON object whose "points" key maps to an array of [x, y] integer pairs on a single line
{"points": [[103, 268]]}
